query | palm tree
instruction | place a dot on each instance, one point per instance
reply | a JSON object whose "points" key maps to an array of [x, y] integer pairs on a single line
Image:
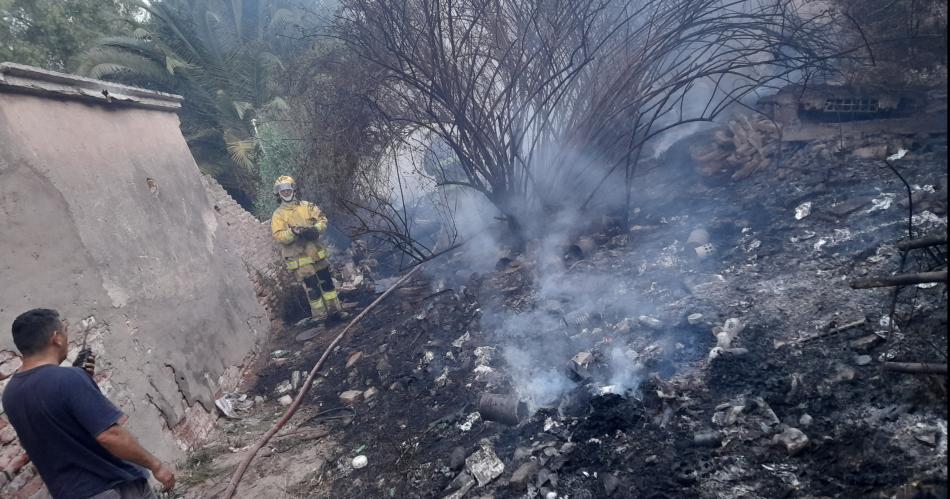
{"points": [[221, 57]]}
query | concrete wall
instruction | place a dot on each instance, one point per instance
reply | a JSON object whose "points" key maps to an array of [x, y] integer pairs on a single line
{"points": [[104, 214]]}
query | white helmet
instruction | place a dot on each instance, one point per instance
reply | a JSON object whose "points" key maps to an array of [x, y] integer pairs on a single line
{"points": [[285, 187]]}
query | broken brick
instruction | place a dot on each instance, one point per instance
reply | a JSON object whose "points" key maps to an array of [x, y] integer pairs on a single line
{"points": [[18, 483], [351, 397], [8, 454], [353, 359], [31, 488], [7, 435], [17, 463]]}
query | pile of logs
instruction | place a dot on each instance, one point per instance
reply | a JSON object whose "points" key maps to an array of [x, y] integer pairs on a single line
{"points": [[746, 144]]}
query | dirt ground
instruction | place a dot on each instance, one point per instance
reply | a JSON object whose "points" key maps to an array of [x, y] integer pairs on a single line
{"points": [[798, 410]]}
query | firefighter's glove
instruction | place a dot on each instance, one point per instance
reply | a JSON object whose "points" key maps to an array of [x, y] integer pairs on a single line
{"points": [[309, 233]]}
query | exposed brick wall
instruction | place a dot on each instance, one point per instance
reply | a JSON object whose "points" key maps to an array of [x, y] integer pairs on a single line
{"points": [[18, 477], [252, 239]]}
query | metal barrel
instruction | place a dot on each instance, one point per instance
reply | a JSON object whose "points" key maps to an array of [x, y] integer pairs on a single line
{"points": [[506, 409]]}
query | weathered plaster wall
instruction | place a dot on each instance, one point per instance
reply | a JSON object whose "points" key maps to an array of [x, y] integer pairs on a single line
{"points": [[103, 214]]}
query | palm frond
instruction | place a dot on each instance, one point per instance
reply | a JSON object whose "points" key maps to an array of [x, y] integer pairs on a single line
{"points": [[242, 152], [242, 107], [277, 104], [172, 63]]}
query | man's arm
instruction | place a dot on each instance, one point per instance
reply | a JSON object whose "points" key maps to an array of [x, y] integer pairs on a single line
{"points": [[121, 444], [101, 419]]}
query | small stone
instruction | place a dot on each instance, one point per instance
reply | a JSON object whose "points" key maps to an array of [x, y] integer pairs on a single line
{"points": [[694, 319], [258, 400], [266, 451], [360, 462], [650, 322], [843, 374], [866, 343], [485, 374], [457, 458], [353, 359], [521, 453], [351, 397], [805, 420], [284, 387], [793, 439], [279, 354], [461, 484], [622, 327], [285, 400], [611, 482], [370, 393], [383, 367], [524, 473], [461, 340], [863, 360], [484, 355], [484, 465], [927, 438]]}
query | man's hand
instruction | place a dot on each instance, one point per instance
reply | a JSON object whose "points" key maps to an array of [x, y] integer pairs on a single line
{"points": [[87, 361], [165, 476], [121, 444], [296, 230]]}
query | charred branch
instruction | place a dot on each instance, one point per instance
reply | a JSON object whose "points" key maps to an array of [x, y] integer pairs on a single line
{"points": [[915, 368], [923, 242], [900, 280], [541, 105]]}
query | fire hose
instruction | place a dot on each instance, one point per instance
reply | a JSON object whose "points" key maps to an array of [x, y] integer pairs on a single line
{"points": [[246, 462]]}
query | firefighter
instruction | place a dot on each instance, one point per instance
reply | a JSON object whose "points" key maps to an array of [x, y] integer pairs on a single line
{"points": [[296, 225]]}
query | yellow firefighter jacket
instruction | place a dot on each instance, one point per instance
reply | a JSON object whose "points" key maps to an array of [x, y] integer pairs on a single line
{"points": [[299, 254]]}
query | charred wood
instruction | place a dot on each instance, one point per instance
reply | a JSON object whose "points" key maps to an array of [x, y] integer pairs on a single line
{"points": [[915, 368], [900, 280], [923, 242]]}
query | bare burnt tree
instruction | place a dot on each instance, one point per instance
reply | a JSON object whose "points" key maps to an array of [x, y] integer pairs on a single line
{"points": [[543, 102], [904, 41], [397, 202]]}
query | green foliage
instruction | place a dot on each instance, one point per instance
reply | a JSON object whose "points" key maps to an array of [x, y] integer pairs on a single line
{"points": [[281, 155], [224, 58], [49, 33]]}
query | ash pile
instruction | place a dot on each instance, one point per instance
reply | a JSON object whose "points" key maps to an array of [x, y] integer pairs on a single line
{"points": [[713, 347]]}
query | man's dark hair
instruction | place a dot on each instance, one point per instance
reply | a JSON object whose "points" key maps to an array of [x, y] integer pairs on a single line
{"points": [[33, 329]]}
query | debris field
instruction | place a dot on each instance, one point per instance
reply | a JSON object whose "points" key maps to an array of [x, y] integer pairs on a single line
{"points": [[714, 349]]}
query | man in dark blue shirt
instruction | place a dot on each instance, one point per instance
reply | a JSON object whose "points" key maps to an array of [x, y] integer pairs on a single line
{"points": [[70, 430]]}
